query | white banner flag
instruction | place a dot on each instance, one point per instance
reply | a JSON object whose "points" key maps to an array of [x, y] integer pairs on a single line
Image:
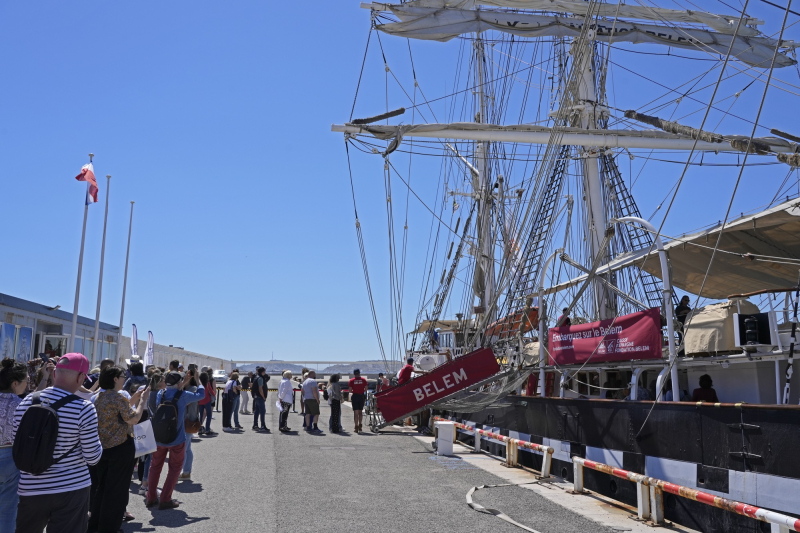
{"points": [[148, 355], [134, 342]]}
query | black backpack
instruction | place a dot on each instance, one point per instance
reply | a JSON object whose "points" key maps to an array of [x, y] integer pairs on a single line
{"points": [[35, 442], [165, 420]]}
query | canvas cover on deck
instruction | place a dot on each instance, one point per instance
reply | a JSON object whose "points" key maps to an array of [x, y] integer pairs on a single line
{"points": [[759, 251], [710, 329], [426, 325]]}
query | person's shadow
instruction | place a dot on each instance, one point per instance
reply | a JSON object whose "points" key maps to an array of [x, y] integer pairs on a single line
{"points": [[171, 518], [188, 487]]}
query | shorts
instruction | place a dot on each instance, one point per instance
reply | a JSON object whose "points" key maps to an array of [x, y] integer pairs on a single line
{"points": [[312, 407], [358, 401]]}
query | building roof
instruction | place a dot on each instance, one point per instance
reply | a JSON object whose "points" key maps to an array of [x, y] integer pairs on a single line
{"points": [[33, 307]]}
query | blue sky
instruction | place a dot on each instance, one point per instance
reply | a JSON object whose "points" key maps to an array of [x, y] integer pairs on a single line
{"points": [[215, 118]]}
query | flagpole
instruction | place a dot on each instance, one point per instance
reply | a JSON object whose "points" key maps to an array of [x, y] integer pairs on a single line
{"points": [[125, 283], [74, 331], [100, 282]]}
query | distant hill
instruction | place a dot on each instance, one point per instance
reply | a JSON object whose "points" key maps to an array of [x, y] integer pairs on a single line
{"points": [[371, 368]]}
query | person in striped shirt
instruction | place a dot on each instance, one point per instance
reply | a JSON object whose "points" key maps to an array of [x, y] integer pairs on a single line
{"points": [[58, 498]]}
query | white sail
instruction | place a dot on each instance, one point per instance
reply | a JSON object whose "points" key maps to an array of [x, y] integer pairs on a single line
{"points": [[428, 23], [720, 23]]}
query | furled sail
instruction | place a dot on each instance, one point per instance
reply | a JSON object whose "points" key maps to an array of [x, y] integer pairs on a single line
{"points": [[529, 133], [430, 23], [720, 23]]}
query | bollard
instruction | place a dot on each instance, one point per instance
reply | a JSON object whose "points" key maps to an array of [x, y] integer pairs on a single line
{"points": [[547, 460], [643, 500], [577, 484], [477, 446], [511, 453], [778, 528], [656, 505]]}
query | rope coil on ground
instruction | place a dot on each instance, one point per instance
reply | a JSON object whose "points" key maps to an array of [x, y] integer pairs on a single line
{"points": [[499, 514]]}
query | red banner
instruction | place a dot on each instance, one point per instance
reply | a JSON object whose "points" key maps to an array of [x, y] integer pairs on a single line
{"points": [[634, 336], [458, 374]]}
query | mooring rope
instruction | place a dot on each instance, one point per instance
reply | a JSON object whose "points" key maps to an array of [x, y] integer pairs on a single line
{"points": [[499, 514]]}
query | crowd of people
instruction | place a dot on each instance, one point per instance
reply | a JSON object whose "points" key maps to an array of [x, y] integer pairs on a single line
{"points": [[78, 452], [82, 481]]}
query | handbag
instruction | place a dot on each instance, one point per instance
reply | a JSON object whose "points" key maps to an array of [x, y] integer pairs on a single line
{"points": [[143, 438], [192, 426]]}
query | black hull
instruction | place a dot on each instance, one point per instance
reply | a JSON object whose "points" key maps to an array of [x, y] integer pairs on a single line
{"points": [[717, 443]]}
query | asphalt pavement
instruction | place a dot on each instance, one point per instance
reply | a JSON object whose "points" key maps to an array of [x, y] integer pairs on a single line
{"points": [[300, 482]]}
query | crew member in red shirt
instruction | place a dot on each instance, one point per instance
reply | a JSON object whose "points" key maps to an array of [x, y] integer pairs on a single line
{"points": [[403, 377], [358, 391], [406, 371]]}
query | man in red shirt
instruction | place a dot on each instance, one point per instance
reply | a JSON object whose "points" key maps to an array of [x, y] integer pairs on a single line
{"points": [[406, 371], [358, 391]]}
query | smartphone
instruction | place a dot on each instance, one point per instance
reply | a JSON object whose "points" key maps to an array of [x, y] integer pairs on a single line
{"points": [[44, 357]]}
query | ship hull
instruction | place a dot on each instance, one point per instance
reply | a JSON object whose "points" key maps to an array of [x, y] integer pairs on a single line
{"points": [[739, 451]]}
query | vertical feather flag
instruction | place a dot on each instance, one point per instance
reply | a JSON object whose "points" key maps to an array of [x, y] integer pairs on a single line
{"points": [[134, 342], [87, 175], [148, 355]]}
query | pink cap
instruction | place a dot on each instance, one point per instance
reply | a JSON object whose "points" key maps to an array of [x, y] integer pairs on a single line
{"points": [[74, 361]]}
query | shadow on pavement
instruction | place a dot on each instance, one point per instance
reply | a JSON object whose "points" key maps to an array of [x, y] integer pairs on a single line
{"points": [[188, 487], [174, 518]]}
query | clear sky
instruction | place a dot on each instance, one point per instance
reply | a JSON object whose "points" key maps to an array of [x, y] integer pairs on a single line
{"points": [[215, 118]]}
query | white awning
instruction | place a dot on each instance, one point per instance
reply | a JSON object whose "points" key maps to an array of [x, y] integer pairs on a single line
{"points": [[760, 251]]}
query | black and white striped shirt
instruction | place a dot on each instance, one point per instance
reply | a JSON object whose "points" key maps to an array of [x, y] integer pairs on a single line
{"points": [[77, 422]]}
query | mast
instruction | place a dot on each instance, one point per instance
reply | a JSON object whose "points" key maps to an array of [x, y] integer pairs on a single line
{"points": [[586, 97], [483, 284]]}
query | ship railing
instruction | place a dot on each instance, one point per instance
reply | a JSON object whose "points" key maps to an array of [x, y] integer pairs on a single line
{"points": [[650, 497], [512, 445]]}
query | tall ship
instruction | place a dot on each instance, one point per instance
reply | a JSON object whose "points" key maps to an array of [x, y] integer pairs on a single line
{"points": [[613, 199]]}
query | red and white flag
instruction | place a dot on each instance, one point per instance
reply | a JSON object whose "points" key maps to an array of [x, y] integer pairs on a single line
{"points": [[87, 174]]}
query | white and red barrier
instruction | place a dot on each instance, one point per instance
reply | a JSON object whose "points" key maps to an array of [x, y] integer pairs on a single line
{"points": [[512, 445], [651, 502]]}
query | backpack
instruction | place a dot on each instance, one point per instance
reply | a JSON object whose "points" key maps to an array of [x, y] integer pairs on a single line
{"points": [[165, 420], [35, 442]]}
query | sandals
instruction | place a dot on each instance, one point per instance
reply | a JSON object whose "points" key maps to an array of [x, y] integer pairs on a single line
{"points": [[172, 504]]}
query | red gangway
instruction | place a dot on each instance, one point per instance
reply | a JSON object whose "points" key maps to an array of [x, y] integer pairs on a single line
{"points": [[443, 382]]}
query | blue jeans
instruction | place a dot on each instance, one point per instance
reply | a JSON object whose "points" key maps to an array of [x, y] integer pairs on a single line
{"points": [[145, 476], [236, 403], [189, 457], [206, 410], [259, 410], [9, 478]]}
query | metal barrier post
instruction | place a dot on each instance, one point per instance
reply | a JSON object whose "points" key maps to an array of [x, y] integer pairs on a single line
{"points": [[656, 505], [477, 447], [547, 461], [511, 452], [578, 475], [778, 528], [643, 500]]}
